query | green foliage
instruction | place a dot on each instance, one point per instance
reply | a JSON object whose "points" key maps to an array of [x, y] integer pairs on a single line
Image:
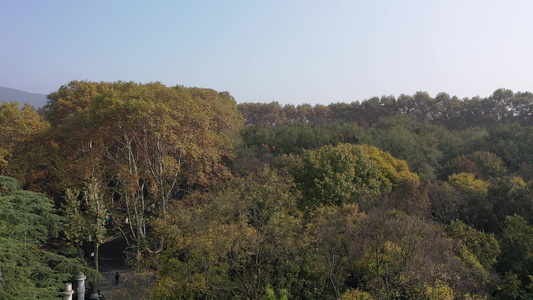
{"points": [[81, 224], [132, 150], [8, 184], [416, 143], [517, 248], [347, 173], [484, 165], [234, 242], [488, 164], [438, 292], [503, 106], [510, 286], [294, 139], [473, 207], [25, 215], [484, 246], [460, 164], [335, 231], [472, 139], [399, 260], [513, 143], [336, 175], [27, 270], [511, 196], [356, 295], [74, 226], [270, 294]]}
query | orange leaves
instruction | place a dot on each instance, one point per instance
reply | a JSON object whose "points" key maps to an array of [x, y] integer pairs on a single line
{"points": [[21, 140], [144, 143]]}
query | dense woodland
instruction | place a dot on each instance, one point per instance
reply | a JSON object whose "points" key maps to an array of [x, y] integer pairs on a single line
{"points": [[412, 197]]}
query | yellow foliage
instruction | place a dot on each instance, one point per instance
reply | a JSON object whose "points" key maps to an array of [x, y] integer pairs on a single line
{"points": [[395, 170], [467, 182], [388, 254], [356, 295], [349, 173], [518, 183], [439, 291]]}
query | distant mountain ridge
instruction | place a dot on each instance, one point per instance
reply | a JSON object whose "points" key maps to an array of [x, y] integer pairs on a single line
{"points": [[33, 99]]}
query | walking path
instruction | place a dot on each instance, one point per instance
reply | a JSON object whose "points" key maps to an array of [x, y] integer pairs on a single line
{"points": [[131, 285], [112, 260]]}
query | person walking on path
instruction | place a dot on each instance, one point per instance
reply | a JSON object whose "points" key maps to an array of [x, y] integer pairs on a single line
{"points": [[117, 277]]}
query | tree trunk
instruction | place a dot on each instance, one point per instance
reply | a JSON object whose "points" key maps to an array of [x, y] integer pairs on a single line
{"points": [[96, 250]]}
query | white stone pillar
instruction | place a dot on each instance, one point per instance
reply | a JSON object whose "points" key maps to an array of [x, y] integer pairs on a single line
{"points": [[68, 291], [81, 286]]}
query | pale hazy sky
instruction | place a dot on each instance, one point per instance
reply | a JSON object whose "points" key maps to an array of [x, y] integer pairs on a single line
{"points": [[262, 51]]}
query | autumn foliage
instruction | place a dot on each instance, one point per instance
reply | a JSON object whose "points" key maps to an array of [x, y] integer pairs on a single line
{"points": [[411, 197]]}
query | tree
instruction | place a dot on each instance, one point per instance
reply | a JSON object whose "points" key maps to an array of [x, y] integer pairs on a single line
{"points": [[521, 107], [85, 220], [335, 232], [237, 241], [445, 201], [72, 97], [347, 173], [512, 143], [449, 111], [294, 139], [406, 139], [266, 114], [466, 182], [483, 245], [511, 196], [356, 295], [400, 260], [460, 164], [489, 164], [516, 259], [139, 146], [484, 165], [21, 154], [474, 207], [27, 269]]}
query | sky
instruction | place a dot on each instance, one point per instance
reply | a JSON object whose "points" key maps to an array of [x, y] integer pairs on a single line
{"points": [[290, 51]]}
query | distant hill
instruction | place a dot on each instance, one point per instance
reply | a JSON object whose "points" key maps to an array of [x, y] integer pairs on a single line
{"points": [[35, 100]]}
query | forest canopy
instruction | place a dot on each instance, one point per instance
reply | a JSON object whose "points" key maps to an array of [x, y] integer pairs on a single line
{"points": [[409, 197]]}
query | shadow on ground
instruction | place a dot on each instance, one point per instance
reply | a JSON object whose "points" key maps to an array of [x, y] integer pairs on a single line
{"points": [[113, 259]]}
